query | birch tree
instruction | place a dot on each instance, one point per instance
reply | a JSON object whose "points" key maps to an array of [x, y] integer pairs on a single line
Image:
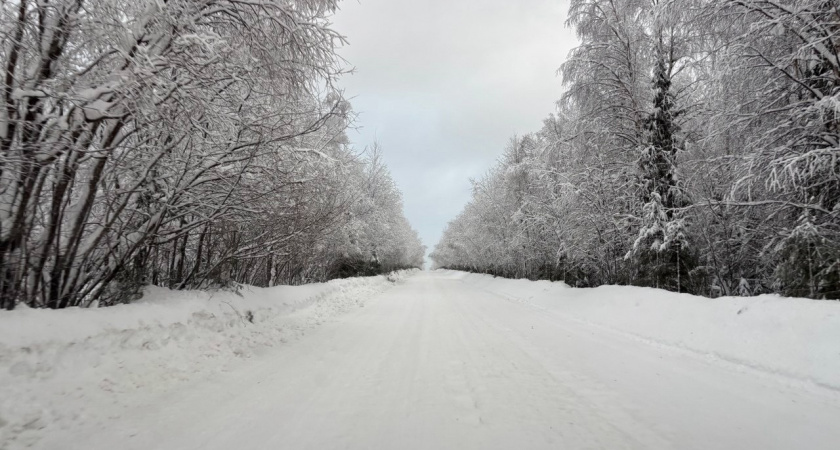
{"points": [[188, 143]]}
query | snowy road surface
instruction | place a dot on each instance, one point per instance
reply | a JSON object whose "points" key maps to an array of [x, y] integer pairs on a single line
{"points": [[436, 364]]}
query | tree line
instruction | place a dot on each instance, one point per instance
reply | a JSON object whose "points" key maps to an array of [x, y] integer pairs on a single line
{"points": [[182, 143], [695, 149]]}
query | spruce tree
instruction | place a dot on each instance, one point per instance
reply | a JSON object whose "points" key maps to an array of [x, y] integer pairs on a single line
{"points": [[661, 248]]}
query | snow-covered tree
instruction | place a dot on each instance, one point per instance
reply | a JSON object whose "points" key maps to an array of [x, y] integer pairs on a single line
{"points": [[720, 179], [188, 143], [794, 46], [662, 248]]}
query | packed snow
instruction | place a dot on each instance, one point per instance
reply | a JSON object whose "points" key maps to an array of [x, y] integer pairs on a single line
{"points": [[58, 368], [440, 359]]}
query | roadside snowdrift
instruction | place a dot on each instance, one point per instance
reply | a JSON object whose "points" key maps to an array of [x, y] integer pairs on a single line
{"points": [[55, 363], [792, 337]]}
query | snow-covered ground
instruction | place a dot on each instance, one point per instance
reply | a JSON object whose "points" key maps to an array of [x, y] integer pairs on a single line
{"points": [[74, 367], [441, 360], [793, 337]]}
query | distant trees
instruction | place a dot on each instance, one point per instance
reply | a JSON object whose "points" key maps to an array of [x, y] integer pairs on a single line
{"points": [[187, 143], [375, 236], [696, 149]]}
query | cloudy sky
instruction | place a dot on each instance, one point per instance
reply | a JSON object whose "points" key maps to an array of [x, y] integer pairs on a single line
{"points": [[444, 84]]}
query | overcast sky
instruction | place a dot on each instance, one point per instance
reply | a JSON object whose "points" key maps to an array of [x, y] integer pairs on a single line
{"points": [[444, 84]]}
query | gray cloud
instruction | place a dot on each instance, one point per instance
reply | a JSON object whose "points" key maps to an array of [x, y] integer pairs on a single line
{"points": [[444, 84]]}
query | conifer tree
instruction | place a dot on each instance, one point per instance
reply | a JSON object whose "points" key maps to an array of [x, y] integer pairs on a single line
{"points": [[661, 246]]}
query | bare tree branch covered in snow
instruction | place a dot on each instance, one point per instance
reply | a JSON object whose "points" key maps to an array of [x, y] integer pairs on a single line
{"points": [[695, 149], [186, 143]]}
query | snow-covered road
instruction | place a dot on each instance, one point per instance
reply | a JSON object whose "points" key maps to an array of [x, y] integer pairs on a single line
{"points": [[436, 364]]}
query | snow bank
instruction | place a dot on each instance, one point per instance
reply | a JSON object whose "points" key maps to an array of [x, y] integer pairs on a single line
{"points": [[792, 337], [54, 363]]}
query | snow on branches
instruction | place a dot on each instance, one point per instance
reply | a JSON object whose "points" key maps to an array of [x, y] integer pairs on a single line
{"points": [[163, 142], [696, 148]]}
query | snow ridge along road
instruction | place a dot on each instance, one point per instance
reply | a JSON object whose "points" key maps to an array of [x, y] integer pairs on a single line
{"points": [[439, 362], [70, 368]]}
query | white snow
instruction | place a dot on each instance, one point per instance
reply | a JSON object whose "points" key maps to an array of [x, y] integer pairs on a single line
{"points": [[794, 337], [98, 109], [438, 360], [57, 367]]}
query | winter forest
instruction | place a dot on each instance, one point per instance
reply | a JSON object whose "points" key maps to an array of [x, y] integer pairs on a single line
{"points": [[214, 217], [186, 144], [202, 144], [695, 149]]}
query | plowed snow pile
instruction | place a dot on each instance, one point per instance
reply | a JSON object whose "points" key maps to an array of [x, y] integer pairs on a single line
{"points": [[793, 337], [54, 363]]}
